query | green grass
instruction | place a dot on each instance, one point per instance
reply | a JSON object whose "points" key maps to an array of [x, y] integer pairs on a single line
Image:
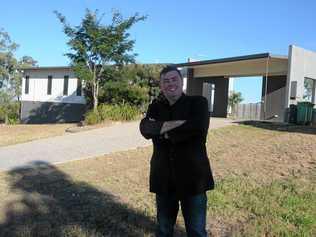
{"points": [[281, 208]]}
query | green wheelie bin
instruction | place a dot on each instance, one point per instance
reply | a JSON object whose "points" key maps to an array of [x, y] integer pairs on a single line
{"points": [[304, 112], [314, 117]]}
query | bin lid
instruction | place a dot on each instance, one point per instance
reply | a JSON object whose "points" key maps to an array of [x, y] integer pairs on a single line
{"points": [[306, 103]]}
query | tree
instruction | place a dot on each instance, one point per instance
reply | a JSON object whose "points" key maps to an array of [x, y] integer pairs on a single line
{"points": [[10, 67], [130, 84], [234, 99], [10, 77], [16, 82], [95, 47], [7, 60], [27, 61]]}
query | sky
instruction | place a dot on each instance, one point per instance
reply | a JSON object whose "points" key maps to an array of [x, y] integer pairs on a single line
{"points": [[173, 31]]}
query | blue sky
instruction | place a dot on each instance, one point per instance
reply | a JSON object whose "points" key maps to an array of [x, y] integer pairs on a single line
{"points": [[173, 31]]}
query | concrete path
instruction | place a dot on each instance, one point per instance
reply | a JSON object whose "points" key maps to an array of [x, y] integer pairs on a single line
{"points": [[81, 145]]}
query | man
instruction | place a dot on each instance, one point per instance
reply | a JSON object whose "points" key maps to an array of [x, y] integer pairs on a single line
{"points": [[179, 167]]}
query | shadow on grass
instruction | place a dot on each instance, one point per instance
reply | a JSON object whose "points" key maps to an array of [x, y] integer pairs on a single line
{"points": [[52, 204], [282, 127]]}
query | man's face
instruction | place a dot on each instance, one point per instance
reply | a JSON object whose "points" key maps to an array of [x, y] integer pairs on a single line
{"points": [[171, 85]]}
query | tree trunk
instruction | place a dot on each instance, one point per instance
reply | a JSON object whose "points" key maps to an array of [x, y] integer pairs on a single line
{"points": [[97, 94], [95, 91], [6, 119], [95, 97]]}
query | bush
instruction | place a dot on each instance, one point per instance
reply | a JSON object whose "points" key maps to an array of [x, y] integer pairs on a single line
{"points": [[121, 112], [9, 113], [129, 83], [124, 112], [92, 118], [13, 121], [119, 92]]}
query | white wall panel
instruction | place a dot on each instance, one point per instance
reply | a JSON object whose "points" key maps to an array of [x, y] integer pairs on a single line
{"points": [[38, 86]]}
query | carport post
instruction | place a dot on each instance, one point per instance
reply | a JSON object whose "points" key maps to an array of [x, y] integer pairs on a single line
{"points": [[266, 88]]}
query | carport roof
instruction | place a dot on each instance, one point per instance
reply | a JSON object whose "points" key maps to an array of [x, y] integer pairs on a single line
{"points": [[248, 65], [232, 59]]}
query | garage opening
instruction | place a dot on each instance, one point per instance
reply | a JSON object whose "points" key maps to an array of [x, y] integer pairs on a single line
{"points": [[245, 98]]}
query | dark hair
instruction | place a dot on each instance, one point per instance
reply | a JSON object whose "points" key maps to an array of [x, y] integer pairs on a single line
{"points": [[169, 68]]}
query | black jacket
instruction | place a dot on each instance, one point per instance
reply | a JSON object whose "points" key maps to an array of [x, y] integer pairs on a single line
{"points": [[179, 164]]}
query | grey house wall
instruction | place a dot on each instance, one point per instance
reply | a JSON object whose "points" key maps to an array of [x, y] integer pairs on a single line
{"points": [[273, 108], [302, 64], [195, 87], [35, 112]]}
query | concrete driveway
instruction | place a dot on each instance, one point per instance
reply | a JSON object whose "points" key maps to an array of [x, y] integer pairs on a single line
{"points": [[81, 145]]}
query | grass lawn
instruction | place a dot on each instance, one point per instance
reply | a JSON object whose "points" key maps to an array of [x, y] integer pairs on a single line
{"points": [[14, 134], [266, 186]]}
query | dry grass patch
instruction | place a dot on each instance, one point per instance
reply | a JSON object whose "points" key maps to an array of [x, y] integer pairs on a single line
{"points": [[265, 184], [14, 134]]}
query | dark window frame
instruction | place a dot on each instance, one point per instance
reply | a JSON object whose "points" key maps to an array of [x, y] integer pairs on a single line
{"points": [[27, 85], [79, 87], [49, 84], [66, 83]]}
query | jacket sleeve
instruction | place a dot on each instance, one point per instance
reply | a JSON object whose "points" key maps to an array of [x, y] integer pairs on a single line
{"points": [[196, 125], [150, 129]]}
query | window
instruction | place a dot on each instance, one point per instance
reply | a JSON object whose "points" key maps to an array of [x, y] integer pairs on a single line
{"points": [[49, 85], [66, 79], [27, 84], [308, 89], [79, 87], [293, 90]]}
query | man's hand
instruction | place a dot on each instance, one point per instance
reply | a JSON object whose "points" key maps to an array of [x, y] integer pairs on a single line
{"points": [[167, 126]]}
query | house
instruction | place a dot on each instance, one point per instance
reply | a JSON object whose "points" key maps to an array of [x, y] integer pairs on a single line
{"points": [[54, 94], [51, 95], [283, 84]]}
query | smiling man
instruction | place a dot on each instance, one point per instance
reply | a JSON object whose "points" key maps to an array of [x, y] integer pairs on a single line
{"points": [[179, 169]]}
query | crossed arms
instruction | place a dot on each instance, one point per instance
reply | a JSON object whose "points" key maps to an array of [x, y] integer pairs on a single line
{"points": [[177, 130]]}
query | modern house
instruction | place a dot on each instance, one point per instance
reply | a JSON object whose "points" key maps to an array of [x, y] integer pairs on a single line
{"points": [[50, 95], [54, 94], [284, 80]]}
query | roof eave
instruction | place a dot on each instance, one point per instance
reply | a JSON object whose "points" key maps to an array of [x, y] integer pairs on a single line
{"points": [[230, 59], [46, 68]]}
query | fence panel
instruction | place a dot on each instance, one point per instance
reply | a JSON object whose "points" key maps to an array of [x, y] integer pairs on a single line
{"points": [[249, 111]]}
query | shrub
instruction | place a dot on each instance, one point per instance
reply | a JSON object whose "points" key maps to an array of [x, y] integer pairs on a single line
{"points": [[13, 121], [120, 112], [123, 112], [119, 92], [92, 118], [104, 111], [9, 113]]}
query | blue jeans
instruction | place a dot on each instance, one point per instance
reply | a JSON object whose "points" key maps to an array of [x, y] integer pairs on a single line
{"points": [[193, 210]]}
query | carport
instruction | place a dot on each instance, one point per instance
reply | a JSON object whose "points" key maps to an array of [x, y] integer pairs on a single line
{"points": [[282, 84]]}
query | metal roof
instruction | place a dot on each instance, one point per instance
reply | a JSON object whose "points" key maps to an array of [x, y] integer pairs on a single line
{"points": [[47, 68], [231, 59]]}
